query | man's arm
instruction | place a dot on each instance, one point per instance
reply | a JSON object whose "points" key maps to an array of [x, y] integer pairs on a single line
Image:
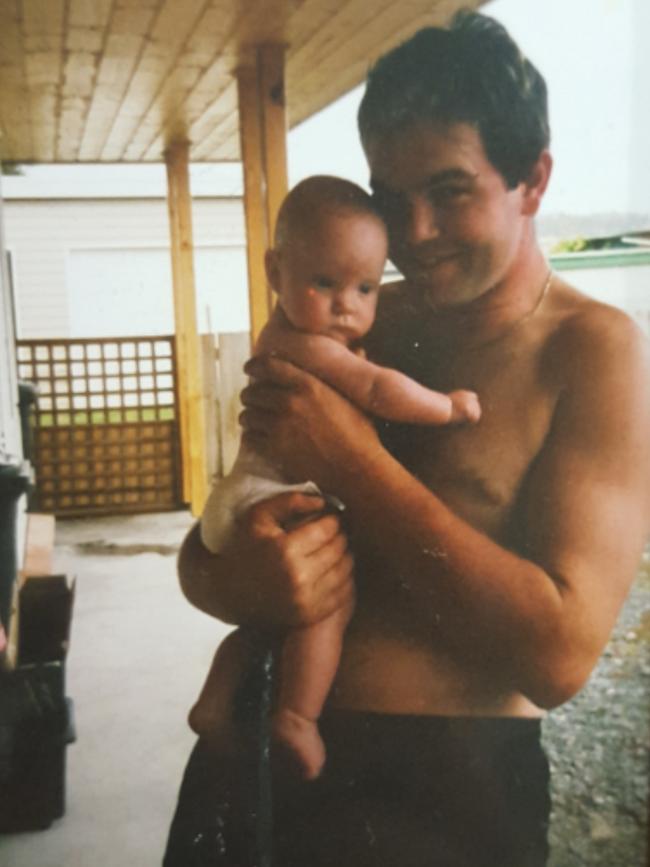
{"points": [[381, 391], [541, 616], [266, 575]]}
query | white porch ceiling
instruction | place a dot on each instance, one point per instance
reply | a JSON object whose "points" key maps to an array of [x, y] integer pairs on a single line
{"points": [[87, 81]]}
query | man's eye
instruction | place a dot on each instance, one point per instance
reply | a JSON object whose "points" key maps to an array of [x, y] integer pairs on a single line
{"points": [[387, 203], [446, 195]]}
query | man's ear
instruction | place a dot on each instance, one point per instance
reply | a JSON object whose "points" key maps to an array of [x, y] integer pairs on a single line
{"points": [[535, 184], [272, 268]]}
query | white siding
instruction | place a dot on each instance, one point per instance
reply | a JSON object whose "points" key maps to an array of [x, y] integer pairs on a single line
{"points": [[624, 287], [10, 437], [11, 446], [119, 293], [48, 240]]}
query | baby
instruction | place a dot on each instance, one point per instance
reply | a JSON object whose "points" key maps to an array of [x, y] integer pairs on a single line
{"points": [[325, 267]]}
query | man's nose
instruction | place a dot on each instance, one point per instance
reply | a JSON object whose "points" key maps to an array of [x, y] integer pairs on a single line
{"points": [[422, 221]]}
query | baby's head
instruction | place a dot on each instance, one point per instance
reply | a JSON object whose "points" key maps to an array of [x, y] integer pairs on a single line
{"points": [[328, 258]]}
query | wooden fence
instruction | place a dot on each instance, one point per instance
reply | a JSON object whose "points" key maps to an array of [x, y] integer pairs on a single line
{"points": [[106, 424], [223, 379]]}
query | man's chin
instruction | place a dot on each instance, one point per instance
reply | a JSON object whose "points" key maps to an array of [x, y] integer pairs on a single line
{"points": [[438, 296]]}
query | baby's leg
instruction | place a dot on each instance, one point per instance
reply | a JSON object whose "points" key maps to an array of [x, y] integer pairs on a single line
{"points": [[310, 658], [211, 716]]}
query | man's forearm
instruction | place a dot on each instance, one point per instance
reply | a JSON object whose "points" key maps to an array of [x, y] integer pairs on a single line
{"points": [[481, 600]]}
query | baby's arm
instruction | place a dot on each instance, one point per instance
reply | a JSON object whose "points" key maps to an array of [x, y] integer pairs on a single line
{"points": [[380, 391]]}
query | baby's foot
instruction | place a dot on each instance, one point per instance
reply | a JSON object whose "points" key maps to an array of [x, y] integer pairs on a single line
{"points": [[213, 724], [299, 741]]}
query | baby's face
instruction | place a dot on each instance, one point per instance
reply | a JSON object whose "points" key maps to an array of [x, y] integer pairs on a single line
{"points": [[329, 275]]}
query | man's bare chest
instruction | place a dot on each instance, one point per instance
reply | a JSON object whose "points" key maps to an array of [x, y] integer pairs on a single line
{"points": [[480, 470]]}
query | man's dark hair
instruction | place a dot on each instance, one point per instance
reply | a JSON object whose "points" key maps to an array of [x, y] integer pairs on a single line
{"points": [[473, 72]]}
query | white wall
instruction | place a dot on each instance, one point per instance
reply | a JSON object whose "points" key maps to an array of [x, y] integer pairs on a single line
{"points": [[11, 446], [10, 437], [624, 287], [87, 267], [121, 292]]}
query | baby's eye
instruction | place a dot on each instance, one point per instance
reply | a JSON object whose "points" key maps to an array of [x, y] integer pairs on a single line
{"points": [[323, 282], [367, 288]]}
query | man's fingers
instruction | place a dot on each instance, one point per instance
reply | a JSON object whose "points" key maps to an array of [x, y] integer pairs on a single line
{"points": [[323, 585], [277, 370], [264, 396], [322, 553], [308, 539], [270, 517], [254, 423], [310, 563], [335, 589]]}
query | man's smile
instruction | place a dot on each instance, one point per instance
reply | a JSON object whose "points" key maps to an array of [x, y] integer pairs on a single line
{"points": [[424, 264], [433, 260]]}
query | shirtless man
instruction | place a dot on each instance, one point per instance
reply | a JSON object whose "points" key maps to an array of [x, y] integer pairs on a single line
{"points": [[490, 561]]}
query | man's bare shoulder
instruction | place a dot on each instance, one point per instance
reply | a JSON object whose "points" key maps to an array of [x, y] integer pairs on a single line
{"points": [[586, 334]]}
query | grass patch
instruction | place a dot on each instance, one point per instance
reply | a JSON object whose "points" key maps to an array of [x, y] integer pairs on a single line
{"points": [[106, 416]]}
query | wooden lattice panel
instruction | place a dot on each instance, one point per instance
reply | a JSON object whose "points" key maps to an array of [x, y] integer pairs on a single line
{"points": [[106, 431]]}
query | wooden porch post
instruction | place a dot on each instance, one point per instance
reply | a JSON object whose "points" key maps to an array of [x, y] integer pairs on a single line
{"points": [[263, 132], [250, 133], [192, 423], [274, 128]]}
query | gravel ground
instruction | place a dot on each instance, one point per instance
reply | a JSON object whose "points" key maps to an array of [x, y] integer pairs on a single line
{"points": [[598, 745]]}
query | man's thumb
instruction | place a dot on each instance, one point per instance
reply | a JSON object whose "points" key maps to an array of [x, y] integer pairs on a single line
{"points": [[285, 511]]}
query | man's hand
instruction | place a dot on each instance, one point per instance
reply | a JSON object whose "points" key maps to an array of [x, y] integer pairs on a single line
{"points": [[275, 570], [301, 424]]}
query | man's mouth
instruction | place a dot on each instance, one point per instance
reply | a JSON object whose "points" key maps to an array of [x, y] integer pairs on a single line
{"points": [[426, 263]]}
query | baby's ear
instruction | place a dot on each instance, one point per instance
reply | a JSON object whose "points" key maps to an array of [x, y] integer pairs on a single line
{"points": [[272, 268]]}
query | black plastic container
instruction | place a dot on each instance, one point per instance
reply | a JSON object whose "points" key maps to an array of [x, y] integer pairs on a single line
{"points": [[27, 400], [36, 725], [15, 480]]}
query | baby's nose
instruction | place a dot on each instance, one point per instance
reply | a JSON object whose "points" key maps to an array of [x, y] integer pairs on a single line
{"points": [[345, 301]]}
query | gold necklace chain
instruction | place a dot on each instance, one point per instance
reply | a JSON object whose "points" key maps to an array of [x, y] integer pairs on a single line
{"points": [[525, 318]]}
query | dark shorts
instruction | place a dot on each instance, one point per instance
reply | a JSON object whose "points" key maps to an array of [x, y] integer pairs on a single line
{"points": [[397, 791]]}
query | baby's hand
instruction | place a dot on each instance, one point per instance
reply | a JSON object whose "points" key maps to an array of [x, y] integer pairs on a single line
{"points": [[465, 407]]}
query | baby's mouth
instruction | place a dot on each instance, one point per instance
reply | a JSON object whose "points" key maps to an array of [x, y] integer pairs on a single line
{"points": [[343, 333]]}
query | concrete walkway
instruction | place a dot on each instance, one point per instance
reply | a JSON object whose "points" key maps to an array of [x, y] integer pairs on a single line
{"points": [[138, 655]]}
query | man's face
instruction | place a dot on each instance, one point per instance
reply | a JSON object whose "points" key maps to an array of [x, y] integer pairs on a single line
{"points": [[455, 228]]}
